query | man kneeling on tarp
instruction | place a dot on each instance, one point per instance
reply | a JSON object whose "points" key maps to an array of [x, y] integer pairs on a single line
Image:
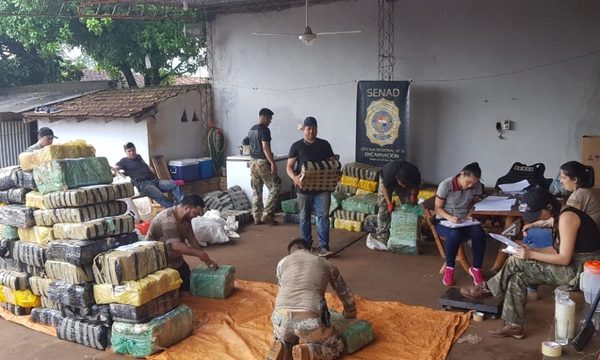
{"points": [[301, 314]]}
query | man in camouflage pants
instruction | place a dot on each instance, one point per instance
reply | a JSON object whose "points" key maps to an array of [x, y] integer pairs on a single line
{"points": [[297, 319], [263, 170]]}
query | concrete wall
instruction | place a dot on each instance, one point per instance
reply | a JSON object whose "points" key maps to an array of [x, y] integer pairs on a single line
{"points": [[174, 139], [472, 62], [107, 137]]}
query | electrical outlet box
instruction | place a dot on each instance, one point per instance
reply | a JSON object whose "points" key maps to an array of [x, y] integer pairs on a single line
{"points": [[507, 125]]}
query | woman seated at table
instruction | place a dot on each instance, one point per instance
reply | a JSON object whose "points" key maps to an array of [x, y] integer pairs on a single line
{"points": [[455, 196], [576, 240]]}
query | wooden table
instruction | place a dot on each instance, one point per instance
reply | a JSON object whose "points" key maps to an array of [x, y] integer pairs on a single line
{"points": [[509, 218]]}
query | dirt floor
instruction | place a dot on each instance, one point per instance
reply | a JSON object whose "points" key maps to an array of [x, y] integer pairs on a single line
{"points": [[374, 275]]}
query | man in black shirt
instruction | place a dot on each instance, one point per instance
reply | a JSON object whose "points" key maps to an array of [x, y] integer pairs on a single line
{"points": [[144, 179], [311, 148], [263, 170], [404, 179]]}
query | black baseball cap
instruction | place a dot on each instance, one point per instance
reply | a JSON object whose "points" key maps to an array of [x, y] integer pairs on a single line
{"points": [[536, 200], [309, 121], [46, 132]]}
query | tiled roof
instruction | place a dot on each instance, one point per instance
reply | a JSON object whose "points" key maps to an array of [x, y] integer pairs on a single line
{"points": [[114, 103], [91, 75]]}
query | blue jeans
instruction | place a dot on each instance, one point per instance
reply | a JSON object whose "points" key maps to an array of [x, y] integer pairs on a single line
{"points": [[321, 203], [455, 236], [538, 238], [155, 189]]}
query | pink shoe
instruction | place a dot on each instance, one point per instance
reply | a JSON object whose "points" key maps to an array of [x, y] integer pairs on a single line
{"points": [[477, 275], [448, 279]]}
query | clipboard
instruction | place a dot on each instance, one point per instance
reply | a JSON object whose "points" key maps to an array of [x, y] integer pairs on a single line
{"points": [[511, 245]]}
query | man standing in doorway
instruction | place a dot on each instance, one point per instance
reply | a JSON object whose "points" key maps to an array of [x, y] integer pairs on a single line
{"points": [[144, 179], [263, 170], [311, 148], [45, 138]]}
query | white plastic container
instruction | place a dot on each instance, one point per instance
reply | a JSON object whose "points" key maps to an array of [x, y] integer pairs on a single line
{"points": [[589, 280]]}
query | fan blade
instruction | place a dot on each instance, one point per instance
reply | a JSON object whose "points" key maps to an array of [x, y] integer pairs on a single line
{"points": [[274, 34], [339, 32]]}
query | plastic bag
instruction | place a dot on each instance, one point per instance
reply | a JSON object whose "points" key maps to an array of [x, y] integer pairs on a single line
{"points": [[211, 229], [374, 244]]}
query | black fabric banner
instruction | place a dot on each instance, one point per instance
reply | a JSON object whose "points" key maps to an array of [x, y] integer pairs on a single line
{"points": [[382, 116]]}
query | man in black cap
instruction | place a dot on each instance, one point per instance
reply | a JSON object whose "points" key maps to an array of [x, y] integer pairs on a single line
{"points": [[45, 138], [311, 148]]}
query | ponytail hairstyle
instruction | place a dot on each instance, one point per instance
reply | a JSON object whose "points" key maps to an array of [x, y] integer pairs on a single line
{"points": [[583, 173], [472, 169]]}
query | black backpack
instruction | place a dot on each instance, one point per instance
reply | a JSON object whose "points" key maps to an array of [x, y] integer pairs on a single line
{"points": [[532, 173]]}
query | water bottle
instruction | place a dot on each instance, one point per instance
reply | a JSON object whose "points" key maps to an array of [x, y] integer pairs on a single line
{"points": [[564, 317]]}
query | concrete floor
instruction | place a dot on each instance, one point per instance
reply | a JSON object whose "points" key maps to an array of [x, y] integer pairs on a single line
{"points": [[374, 275]]}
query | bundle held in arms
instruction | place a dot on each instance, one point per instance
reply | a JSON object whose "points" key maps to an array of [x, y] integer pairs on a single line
{"points": [[71, 149], [320, 175]]}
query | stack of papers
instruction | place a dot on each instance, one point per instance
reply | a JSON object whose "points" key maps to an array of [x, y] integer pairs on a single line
{"points": [[462, 223], [495, 203]]}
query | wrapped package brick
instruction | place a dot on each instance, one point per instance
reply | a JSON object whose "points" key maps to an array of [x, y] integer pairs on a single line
{"points": [[138, 292], [68, 272], [129, 262], [320, 175], [239, 199], [81, 332], [95, 314], [336, 201], [368, 185], [29, 253], [349, 215], [61, 175], [404, 229], [241, 216], [16, 309], [349, 180], [13, 196], [108, 226], [290, 206], [14, 280], [24, 298], [25, 180], [349, 225], [8, 178], [34, 200], [12, 265], [370, 224], [17, 215], [79, 252], [8, 232], [141, 340], [49, 304], [88, 195], [355, 334], [147, 311], [366, 204], [6, 248], [210, 283], [345, 189], [35, 270], [44, 316], [38, 235], [39, 285], [71, 149], [50, 217], [362, 171], [71, 294]]}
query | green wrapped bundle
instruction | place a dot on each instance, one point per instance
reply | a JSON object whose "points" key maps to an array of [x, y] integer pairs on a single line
{"points": [[404, 229], [8, 232], [108, 226], [336, 201], [355, 333], [79, 214], [61, 175], [206, 282], [142, 340], [366, 204], [290, 206]]}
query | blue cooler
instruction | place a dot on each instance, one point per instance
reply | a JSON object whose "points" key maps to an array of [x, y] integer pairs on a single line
{"points": [[184, 169], [206, 168]]}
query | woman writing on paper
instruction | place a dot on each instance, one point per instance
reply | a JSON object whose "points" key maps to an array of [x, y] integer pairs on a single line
{"points": [[576, 240], [454, 197]]}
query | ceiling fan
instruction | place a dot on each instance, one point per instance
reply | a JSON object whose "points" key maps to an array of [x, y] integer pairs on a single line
{"points": [[308, 35]]}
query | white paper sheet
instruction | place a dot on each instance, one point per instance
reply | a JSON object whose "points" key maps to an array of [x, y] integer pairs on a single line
{"points": [[503, 239], [495, 205], [514, 187], [462, 223]]}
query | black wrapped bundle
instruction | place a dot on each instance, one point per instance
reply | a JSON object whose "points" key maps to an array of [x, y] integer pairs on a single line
{"points": [[12, 265], [81, 332], [80, 252], [6, 248], [95, 314], [370, 224], [14, 280], [241, 216], [16, 309], [25, 179], [29, 253], [50, 317], [79, 214], [17, 216], [35, 271], [49, 304], [71, 294], [141, 314], [7, 177], [13, 196]]}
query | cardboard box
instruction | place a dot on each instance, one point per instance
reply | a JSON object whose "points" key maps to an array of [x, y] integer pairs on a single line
{"points": [[590, 155]]}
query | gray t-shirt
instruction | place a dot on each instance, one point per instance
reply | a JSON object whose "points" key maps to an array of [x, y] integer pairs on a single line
{"points": [[457, 201], [34, 147]]}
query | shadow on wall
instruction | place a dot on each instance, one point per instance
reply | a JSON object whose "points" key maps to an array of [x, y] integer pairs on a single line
{"points": [[426, 114]]}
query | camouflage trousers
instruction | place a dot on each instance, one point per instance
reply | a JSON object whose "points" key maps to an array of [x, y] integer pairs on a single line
{"points": [[303, 327], [514, 277], [260, 174]]}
